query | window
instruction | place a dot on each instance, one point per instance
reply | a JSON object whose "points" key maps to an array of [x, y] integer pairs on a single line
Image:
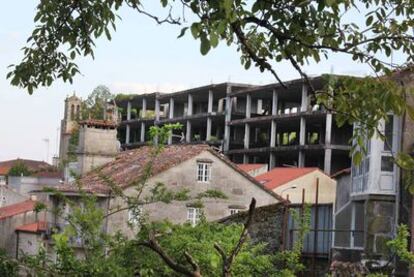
{"points": [[203, 172], [2, 180], [134, 215], [234, 211], [193, 216], [387, 163]]}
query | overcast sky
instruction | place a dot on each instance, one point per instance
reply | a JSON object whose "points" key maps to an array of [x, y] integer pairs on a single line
{"points": [[141, 57]]}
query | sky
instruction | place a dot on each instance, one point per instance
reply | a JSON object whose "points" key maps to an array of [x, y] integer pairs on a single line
{"points": [[141, 57]]}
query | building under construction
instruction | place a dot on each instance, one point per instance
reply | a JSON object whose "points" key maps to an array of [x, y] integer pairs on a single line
{"points": [[273, 124]]}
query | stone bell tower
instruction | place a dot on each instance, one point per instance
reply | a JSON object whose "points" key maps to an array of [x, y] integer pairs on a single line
{"points": [[68, 124]]}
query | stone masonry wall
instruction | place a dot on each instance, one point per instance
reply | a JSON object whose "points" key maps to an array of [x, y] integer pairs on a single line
{"points": [[266, 227]]}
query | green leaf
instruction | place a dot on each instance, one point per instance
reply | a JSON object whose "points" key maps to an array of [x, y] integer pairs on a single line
{"points": [[205, 45], [369, 20], [182, 33]]}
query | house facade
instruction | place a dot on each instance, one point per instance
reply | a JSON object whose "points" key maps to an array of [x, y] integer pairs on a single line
{"points": [[197, 169]]}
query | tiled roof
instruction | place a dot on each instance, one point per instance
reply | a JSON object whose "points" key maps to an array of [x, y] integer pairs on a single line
{"points": [[32, 165], [281, 175], [18, 208], [250, 167], [36, 227], [130, 165]]}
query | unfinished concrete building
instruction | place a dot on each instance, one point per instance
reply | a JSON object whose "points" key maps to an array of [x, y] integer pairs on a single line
{"points": [[260, 124]]}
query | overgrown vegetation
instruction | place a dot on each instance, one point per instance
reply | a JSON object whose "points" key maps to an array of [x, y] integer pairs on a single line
{"points": [[19, 169]]}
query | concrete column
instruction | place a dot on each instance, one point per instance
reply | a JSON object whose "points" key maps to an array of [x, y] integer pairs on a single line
{"points": [[129, 106], [188, 132], [226, 142], [142, 132], [170, 116], [245, 159], [171, 111], [328, 129], [127, 134], [273, 133], [144, 108], [248, 105], [302, 131], [210, 102], [246, 136], [157, 109], [328, 141], [190, 104], [274, 102], [301, 160], [327, 161], [272, 160], [208, 129], [305, 101]]}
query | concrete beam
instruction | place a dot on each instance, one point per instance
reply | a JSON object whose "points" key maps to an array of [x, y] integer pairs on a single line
{"points": [[142, 132], [248, 105], [302, 131], [210, 102], [171, 108], [305, 99], [188, 132], [246, 136], [129, 107], [144, 108], [190, 104], [208, 129]]}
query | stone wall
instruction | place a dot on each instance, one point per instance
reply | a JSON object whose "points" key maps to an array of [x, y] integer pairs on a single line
{"points": [[267, 225], [380, 222], [7, 230], [238, 189]]}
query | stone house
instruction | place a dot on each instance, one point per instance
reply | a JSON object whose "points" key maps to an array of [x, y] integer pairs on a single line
{"points": [[14, 217], [195, 168]]}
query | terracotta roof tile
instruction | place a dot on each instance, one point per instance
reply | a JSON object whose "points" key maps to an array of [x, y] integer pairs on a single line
{"points": [[36, 227], [281, 175], [18, 208], [250, 167], [32, 165], [129, 166]]}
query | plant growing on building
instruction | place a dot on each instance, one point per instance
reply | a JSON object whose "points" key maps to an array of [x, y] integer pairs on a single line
{"points": [[19, 169], [94, 106]]}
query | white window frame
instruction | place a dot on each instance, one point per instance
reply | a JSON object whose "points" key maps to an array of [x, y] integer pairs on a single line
{"points": [[193, 215], [203, 172], [234, 211]]}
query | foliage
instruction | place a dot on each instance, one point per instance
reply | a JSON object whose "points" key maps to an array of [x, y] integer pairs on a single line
{"points": [[73, 146], [264, 32], [289, 261], [199, 242], [8, 267], [400, 245], [94, 106], [212, 193], [19, 169]]}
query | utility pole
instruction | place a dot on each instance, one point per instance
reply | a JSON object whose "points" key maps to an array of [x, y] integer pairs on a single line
{"points": [[47, 142]]}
